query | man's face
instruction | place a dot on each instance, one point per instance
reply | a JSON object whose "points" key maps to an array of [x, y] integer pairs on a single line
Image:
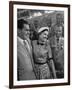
{"points": [[26, 31], [59, 32]]}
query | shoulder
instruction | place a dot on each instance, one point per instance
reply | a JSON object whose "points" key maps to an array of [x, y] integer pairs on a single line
{"points": [[49, 47], [48, 42], [34, 42], [19, 41], [61, 40]]}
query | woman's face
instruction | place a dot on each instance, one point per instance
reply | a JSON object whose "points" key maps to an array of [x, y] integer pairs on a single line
{"points": [[43, 36]]}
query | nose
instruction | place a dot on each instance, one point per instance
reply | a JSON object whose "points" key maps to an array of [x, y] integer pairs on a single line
{"points": [[28, 32], [45, 35]]}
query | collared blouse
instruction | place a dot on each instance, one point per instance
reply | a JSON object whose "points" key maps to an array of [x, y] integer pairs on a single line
{"points": [[41, 52]]}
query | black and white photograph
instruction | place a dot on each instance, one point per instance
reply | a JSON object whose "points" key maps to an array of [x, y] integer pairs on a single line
{"points": [[40, 44]]}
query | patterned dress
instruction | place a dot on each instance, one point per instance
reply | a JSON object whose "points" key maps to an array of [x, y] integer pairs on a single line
{"points": [[41, 53]]}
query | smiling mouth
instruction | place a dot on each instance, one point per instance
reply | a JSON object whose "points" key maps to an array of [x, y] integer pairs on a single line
{"points": [[45, 37]]}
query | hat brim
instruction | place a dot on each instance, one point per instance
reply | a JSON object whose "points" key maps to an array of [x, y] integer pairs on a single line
{"points": [[42, 29]]}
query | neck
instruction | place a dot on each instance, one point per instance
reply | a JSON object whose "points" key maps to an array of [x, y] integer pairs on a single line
{"points": [[41, 42], [26, 38]]}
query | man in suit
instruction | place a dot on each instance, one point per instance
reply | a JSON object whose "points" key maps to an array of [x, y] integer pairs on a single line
{"points": [[57, 45], [24, 53]]}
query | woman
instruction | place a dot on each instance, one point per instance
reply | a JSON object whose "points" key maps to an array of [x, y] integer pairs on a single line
{"points": [[42, 55]]}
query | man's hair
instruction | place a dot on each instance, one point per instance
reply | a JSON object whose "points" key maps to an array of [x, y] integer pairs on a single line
{"points": [[21, 22]]}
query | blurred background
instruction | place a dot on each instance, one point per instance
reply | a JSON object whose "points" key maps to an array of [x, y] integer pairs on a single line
{"points": [[42, 18], [38, 18]]}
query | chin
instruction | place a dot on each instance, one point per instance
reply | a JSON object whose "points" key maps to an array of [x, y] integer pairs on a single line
{"points": [[44, 40]]}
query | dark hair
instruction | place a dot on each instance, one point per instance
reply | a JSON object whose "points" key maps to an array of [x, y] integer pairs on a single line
{"points": [[21, 22]]}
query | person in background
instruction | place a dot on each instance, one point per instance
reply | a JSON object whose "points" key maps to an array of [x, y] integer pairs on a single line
{"points": [[59, 53], [33, 32], [57, 45], [42, 55], [49, 24], [36, 24], [24, 53]]}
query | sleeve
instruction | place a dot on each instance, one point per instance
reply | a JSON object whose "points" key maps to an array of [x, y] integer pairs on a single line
{"points": [[33, 43], [51, 62], [20, 46], [49, 50]]}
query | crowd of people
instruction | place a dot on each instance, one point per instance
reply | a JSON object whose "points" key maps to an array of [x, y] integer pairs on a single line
{"points": [[40, 54]]}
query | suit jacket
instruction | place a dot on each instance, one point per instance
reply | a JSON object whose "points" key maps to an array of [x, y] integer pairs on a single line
{"points": [[58, 52], [25, 61]]}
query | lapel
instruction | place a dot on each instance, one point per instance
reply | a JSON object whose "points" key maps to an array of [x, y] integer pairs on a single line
{"points": [[28, 51]]}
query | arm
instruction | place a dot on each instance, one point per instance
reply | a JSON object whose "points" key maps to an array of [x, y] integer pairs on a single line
{"points": [[52, 68], [51, 62]]}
